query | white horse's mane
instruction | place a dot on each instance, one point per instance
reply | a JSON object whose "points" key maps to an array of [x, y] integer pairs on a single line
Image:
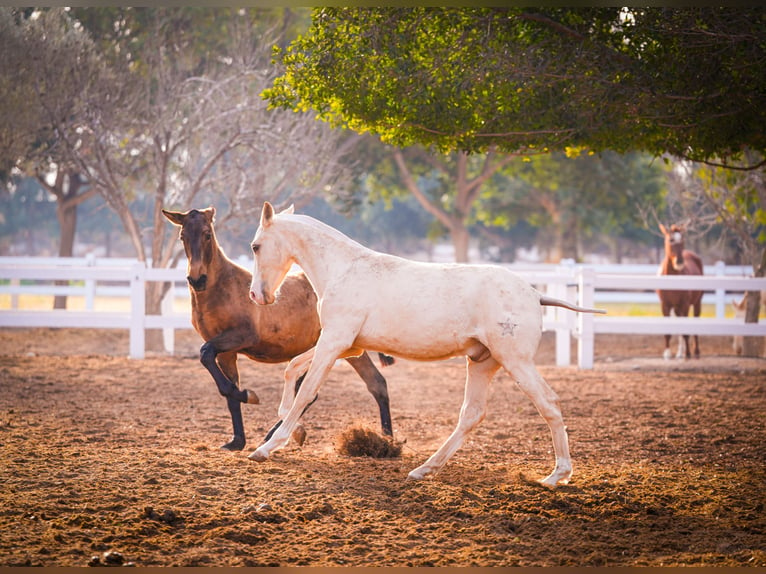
{"points": [[321, 227]]}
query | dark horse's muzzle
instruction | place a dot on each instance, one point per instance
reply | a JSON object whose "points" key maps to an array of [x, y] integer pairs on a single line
{"points": [[199, 283]]}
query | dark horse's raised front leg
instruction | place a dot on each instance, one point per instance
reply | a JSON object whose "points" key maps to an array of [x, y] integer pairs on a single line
{"points": [[222, 366]]}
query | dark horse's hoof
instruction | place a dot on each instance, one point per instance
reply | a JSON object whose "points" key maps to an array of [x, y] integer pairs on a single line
{"points": [[236, 443]]}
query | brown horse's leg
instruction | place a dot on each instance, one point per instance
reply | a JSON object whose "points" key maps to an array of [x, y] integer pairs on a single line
{"points": [[210, 355], [228, 365], [666, 313], [377, 386], [697, 311], [683, 311]]}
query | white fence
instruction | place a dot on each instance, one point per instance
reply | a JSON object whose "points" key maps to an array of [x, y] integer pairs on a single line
{"points": [[588, 285], [130, 277]]}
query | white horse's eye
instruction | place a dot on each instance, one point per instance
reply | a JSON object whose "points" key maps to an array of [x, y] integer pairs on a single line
{"points": [[255, 248]]}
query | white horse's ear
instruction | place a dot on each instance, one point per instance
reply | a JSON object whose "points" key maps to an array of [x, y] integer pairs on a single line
{"points": [[289, 210], [267, 214]]}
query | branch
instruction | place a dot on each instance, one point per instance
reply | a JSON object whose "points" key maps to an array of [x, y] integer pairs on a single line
{"points": [[409, 182], [724, 164]]}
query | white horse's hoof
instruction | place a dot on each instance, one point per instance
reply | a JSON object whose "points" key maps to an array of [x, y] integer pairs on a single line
{"points": [[552, 482], [557, 477], [258, 456], [418, 474]]}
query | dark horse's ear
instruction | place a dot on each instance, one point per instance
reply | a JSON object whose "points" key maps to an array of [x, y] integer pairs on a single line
{"points": [[175, 217], [662, 228], [267, 215], [209, 213]]}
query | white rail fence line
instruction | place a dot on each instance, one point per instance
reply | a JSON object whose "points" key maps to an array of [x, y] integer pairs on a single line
{"points": [[588, 285], [136, 320]]}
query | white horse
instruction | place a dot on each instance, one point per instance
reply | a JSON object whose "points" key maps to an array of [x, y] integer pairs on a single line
{"points": [[420, 311]]}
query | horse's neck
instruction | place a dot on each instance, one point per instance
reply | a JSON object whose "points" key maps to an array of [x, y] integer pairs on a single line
{"points": [[667, 266], [221, 267], [323, 252]]}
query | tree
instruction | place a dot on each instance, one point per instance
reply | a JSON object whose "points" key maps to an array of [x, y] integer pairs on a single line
{"points": [[576, 195], [715, 195], [48, 63], [447, 186], [177, 116], [686, 81]]}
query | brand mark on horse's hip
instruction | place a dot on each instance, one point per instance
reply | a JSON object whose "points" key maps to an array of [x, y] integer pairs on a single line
{"points": [[508, 327]]}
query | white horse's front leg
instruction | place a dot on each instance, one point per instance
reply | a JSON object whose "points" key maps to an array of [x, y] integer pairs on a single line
{"points": [[318, 371], [295, 368], [472, 412]]}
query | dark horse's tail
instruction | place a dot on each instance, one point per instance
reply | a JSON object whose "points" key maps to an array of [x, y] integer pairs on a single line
{"points": [[545, 300]]}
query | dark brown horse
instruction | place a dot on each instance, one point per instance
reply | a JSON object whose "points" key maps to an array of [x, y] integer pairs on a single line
{"points": [[231, 324], [680, 261]]}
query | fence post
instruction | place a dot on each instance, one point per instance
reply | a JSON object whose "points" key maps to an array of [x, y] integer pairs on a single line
{"points": [[15, 282], [166, 308], [720, 294], [90, 284], [586, 280], [563, 334], [137, 310]]}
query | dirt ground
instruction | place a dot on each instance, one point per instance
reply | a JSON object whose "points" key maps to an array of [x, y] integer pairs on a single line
{"points": [[105, 456]]}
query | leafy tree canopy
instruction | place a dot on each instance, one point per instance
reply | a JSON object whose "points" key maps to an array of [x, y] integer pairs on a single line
{"points": [[686, 81]]}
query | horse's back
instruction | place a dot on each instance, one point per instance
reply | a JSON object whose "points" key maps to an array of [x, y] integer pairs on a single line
{"points": [[693, 263], [431, 311]]}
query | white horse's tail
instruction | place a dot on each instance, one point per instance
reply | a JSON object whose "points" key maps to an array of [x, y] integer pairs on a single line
{"points": [[545, 300]]}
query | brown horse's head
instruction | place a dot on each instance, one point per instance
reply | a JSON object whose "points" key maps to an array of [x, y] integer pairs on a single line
{"points": [[674, 246], [198, 237]]}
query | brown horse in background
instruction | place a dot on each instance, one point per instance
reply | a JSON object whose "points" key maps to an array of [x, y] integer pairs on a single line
{"points": [[679, 261], [231, 324]]}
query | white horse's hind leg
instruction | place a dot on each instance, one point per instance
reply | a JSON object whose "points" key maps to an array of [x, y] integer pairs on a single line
{"points": [[546, 401], [472, 412]]}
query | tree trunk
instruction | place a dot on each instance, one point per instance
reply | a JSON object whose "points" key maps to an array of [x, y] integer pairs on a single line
{"points": [[753, 346], [66, 213], [154, 294], [460, 241], [66, 189], [569, 238]]}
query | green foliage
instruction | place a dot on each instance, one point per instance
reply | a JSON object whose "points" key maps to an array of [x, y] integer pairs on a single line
{"points": [[572, 198], [688, 81]]}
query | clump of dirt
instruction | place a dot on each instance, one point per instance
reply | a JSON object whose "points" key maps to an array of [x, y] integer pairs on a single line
{"points": [[363, 441]]}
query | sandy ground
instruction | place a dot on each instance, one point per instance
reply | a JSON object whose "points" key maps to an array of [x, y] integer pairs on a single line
{"points": [[103, 456]]}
